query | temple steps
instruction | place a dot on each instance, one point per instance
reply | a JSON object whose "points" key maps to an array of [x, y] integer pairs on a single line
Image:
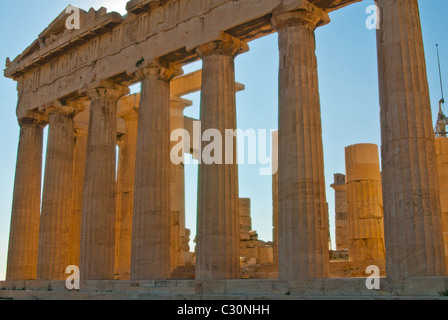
{"points": [[354, 289]]}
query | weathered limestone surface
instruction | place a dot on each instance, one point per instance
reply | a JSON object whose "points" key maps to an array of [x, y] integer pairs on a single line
{"points": [[412, 216], [303, 222], [126, 178], [442, 169], [150, 258], [54, 233], [128, 107], [275, 216], [178, 232], [176, 256], [119, 196], [341, 222], [275, 198], [217, 253], [364, 205], [97, 252], [79, 167], [25, 217], [340, 289], [245, 219], [256, 256]]}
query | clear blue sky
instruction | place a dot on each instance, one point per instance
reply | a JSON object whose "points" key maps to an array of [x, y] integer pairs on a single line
{"points": [[348, 79]]}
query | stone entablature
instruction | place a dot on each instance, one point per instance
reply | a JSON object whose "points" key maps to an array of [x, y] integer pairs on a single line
{"points": [[109, 46]]}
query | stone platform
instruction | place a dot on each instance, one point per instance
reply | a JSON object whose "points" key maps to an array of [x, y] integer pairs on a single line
{"points": [[324, 289]]}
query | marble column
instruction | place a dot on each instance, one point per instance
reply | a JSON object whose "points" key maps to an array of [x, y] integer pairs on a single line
{"points": [[122, 274], [150, 257], [275, 216], [341, 222], [364, 205], [97, 255], [303, 218], [25, 217], [125, 209], [54, 232], [178, 230], [442, 169], [120, 169], [412, 216], [275, 196], [217, 251], [79, 167]]}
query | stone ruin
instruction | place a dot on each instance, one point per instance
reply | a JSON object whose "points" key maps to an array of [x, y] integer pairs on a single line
{"points": [[132, 227]]}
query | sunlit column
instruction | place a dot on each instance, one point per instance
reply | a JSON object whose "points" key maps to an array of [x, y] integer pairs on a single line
{"points": [[125, 210], [217, 253], [364, 205], [97, 256], [25, 217], [54, 233], [150, 257], [303, 218], [412, 216]]}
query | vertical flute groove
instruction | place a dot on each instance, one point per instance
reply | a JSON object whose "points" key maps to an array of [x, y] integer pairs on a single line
{"points": [[412, 216], [25, 216], [54, 233], [303, 226]]}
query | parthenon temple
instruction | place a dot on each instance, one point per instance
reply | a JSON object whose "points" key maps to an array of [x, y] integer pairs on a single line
{"points": [[121, 220]]}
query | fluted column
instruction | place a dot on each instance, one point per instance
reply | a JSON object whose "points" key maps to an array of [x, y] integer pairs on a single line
{"points": [[178, 230], [79, 167], [119, 182], [97, 255], [303, 218], [57, 196], [412, 216], [341, 222], [25, 217], [275, 216], [275, 197], [125, 210], [442, 169], [217, 253], [364, 205], [150, 257]]}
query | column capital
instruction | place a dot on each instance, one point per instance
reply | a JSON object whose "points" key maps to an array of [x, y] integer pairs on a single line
{"points": [[226, 45], [56, 107], [178, 103], [100, 89], [33, 119], [159, 70], [306, 14], [121, 139], [78, 105], [62, 110], [129, 114], [338, 187], [339, 182]]}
